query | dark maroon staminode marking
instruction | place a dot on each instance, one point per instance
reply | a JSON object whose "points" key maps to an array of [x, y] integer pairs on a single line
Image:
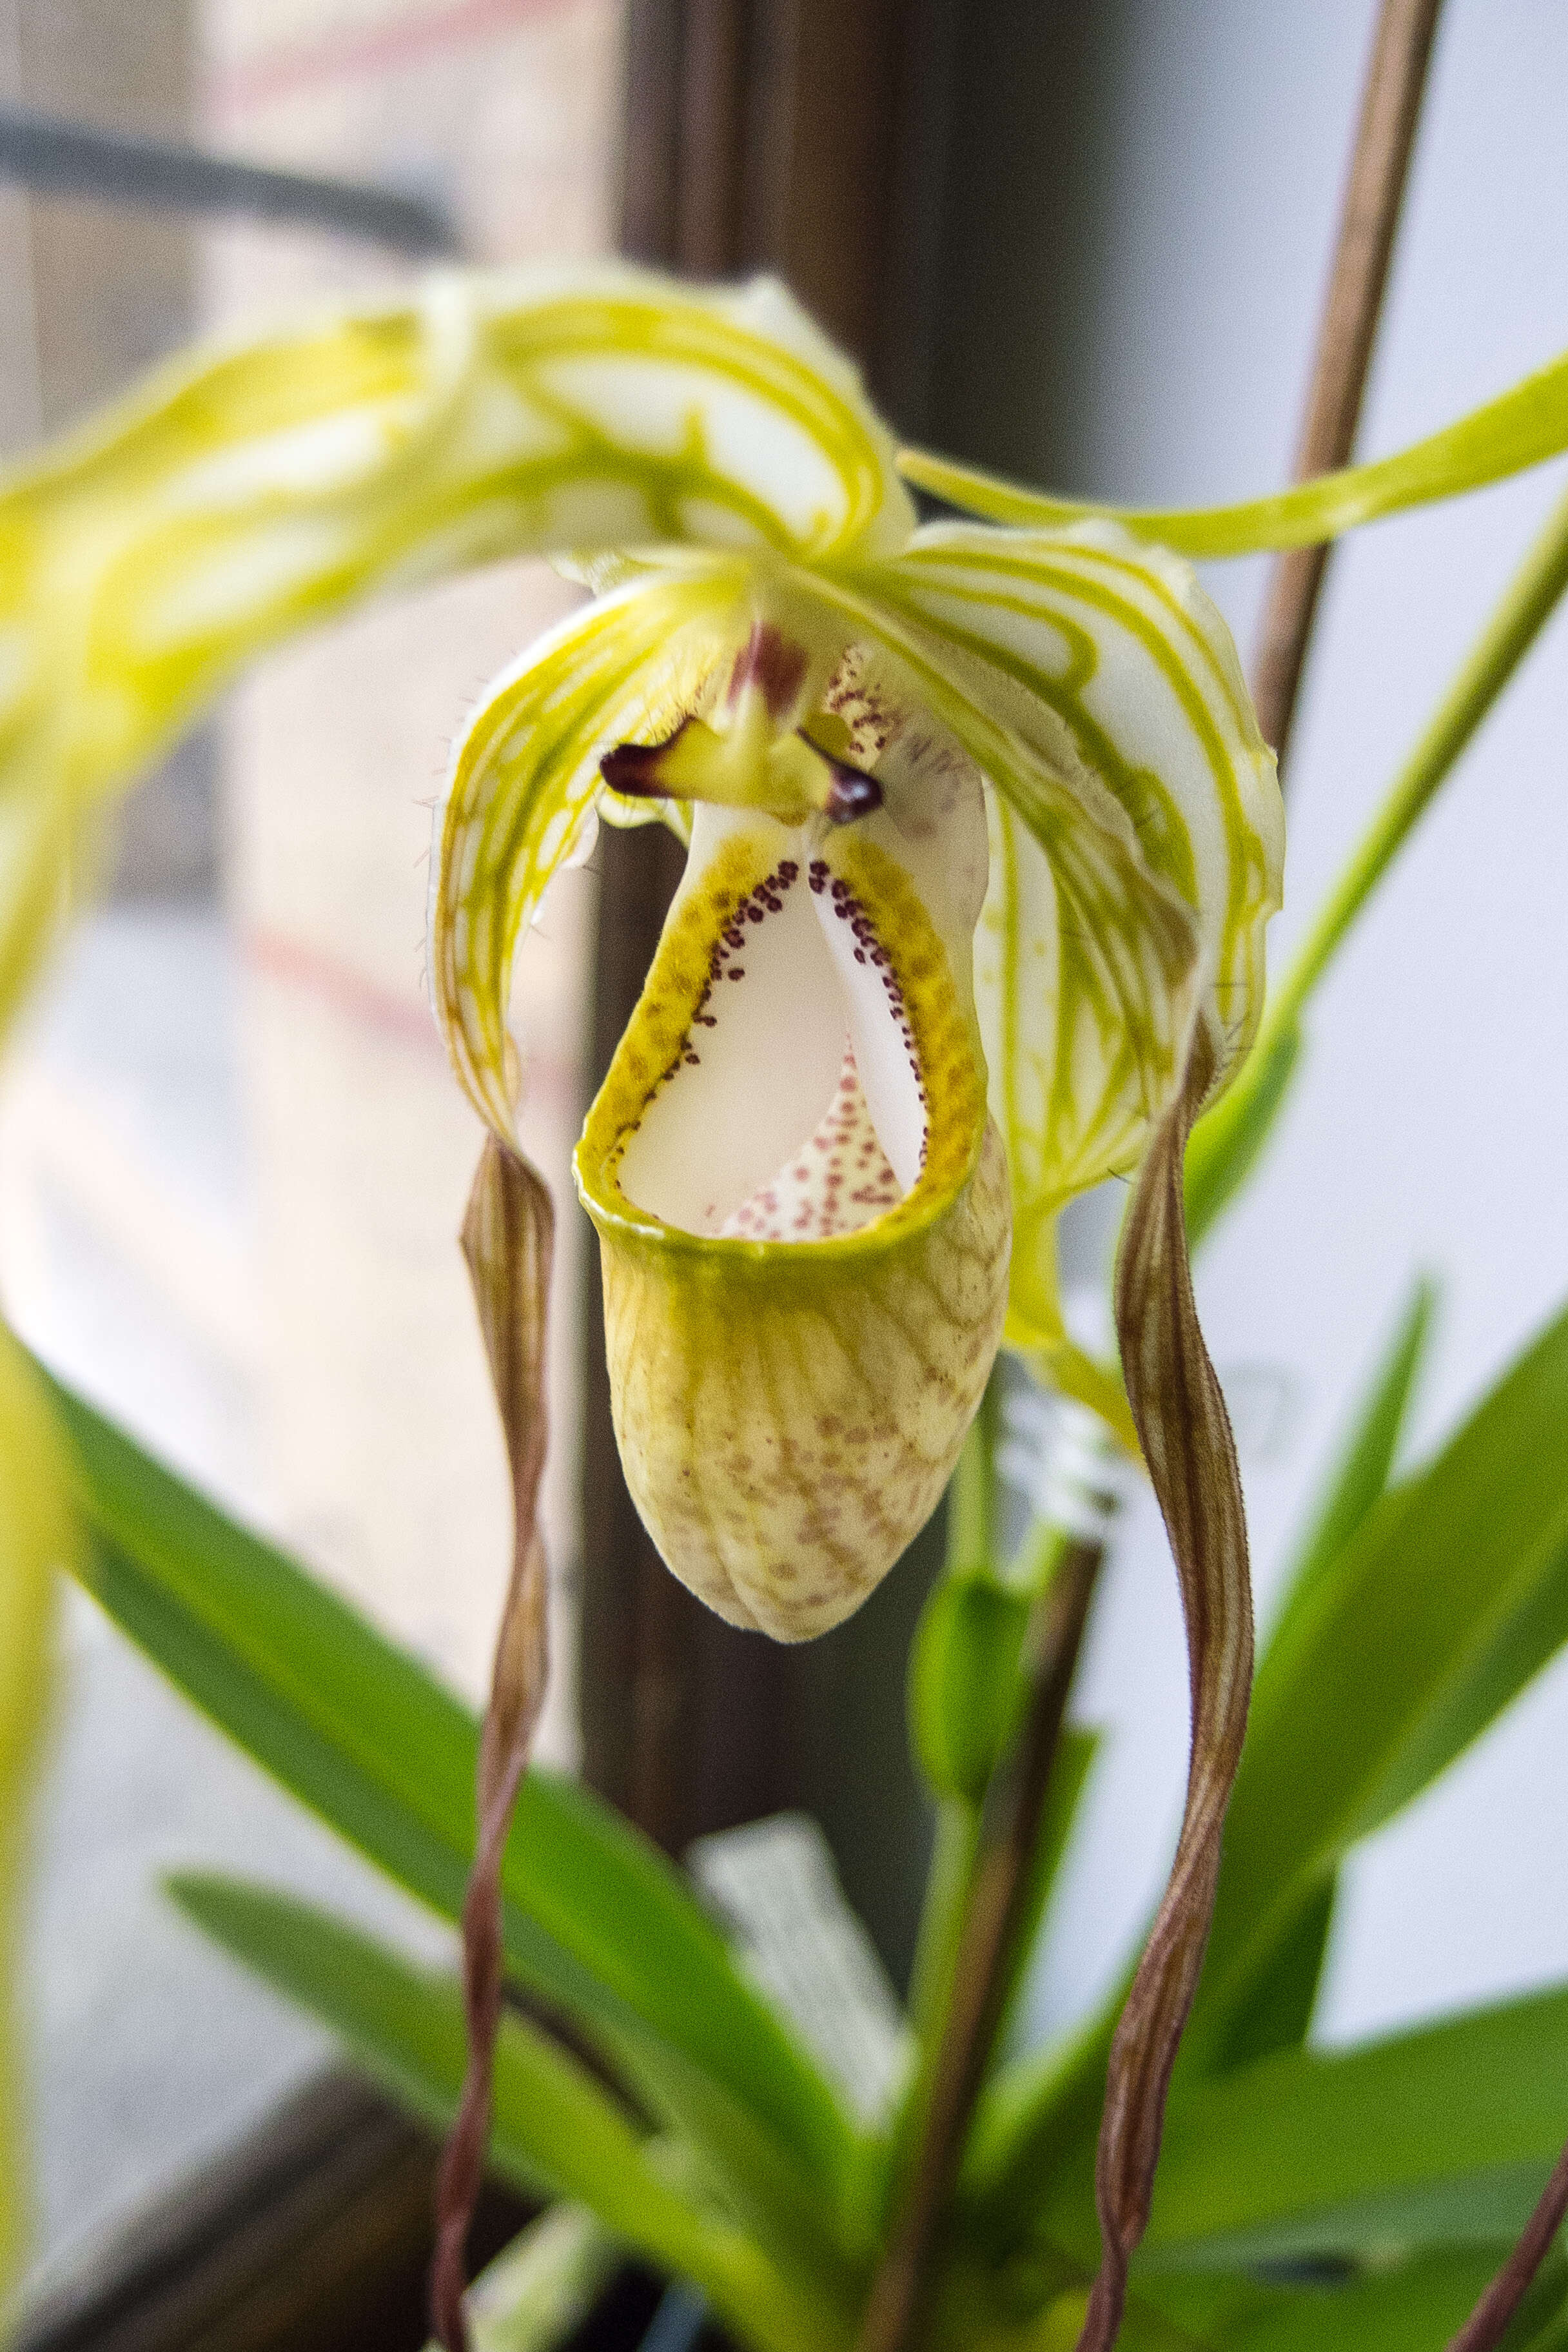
{"points": [[633, 767], [851, 792], [774, 664]]}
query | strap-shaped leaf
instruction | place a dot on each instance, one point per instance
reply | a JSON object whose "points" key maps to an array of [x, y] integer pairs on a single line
{"points": [[1229, 1139], [1451, 1596], [553, 2127], [35, 1539], [1521, 427], [1411, 2306], [1440, 2136], [1277, 2010], [594, 1918], [1361, 1477]]}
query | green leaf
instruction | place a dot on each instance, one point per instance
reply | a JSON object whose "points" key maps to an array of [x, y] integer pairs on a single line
{"points": [[1519, 428], [1442, 2136], [744, 2166], [596, 1920], [963, 1681], [1451, 1595], [1227, 1139], [1413, 2307], [1278, 2010], [1408, 1640], [1363, 1471], [36, 1536], [541, 2288], [553, 2129]]}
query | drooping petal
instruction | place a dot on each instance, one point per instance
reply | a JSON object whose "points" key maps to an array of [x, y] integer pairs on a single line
{"points": [[253, 488], [803, 1210], [509, 1237], [1519, 427], [1187, 1444], [525, 783]]}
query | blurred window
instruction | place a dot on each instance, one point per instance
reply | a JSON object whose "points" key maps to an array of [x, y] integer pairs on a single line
{"points": [[233, 1161]]}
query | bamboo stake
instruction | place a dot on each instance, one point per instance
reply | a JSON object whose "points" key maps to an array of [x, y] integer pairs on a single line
{"points": [[1391, 107]]}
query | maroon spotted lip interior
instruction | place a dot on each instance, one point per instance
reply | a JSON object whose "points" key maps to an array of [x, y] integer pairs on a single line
{"points": [[796, 1111]]}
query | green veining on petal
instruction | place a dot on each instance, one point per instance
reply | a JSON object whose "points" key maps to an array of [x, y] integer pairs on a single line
{"points": [[1134, 964], [1521, 427], [248, 490], [1055, 566], [789, 1411], [525, 781]]}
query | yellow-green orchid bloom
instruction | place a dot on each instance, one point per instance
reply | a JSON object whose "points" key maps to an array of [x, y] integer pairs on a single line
{"points": [[875, 738], [890, 731]]}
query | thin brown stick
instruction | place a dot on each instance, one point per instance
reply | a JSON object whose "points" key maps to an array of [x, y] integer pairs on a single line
{"points": [[1391, 106], [1488, 2323], [997, 1904], [508, 1237]]}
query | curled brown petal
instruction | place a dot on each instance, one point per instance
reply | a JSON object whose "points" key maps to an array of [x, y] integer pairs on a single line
{"points": [[508, 1237], [1185, 1434]]}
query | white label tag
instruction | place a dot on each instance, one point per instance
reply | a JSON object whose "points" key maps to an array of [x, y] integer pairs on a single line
{"points": [[775, 1885]]}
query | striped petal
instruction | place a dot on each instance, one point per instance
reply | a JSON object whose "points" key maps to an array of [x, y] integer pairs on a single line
{"points": [[250, 489], [1136, 840], [802, 1202], [525, 784]]}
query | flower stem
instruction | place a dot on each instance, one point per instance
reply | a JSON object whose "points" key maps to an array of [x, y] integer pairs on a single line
{"points": [[971, 1497], [1527, 604], [998, 1903]]}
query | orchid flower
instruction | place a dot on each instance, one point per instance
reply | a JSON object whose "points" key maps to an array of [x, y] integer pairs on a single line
{"points": [[981, 846], [957, 800], [982, 839]]}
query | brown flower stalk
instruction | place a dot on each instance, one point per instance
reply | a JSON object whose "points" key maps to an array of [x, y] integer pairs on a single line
{"points": [[508, 1237], [1488, 2323], [998, 1903]]}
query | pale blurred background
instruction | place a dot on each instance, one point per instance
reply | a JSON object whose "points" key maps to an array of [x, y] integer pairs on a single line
{"points": [[233, 1163], [1197, 161]]}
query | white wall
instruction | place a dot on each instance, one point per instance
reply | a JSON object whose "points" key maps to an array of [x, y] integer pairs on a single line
{"points": [[1431, 1129]]}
